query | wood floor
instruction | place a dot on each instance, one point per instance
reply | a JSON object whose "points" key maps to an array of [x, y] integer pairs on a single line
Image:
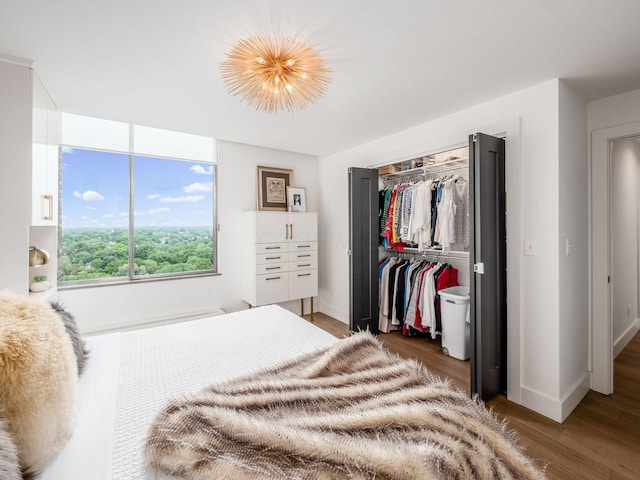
{"points": [[599, 440]]}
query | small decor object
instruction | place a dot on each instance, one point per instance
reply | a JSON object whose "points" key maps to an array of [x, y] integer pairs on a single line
{"points": [[272, 188], [39, 284], [272, 75], [38, 257], [296, 199]]}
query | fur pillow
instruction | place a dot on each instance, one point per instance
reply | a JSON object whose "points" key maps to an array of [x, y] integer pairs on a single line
{"points": [[70, 325], [9, 468], [38, 379]]}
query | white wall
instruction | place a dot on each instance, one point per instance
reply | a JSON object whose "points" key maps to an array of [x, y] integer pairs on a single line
{"points": [[533, 184], [574, 381], [108, 307], [624, 237], [15, 180]]}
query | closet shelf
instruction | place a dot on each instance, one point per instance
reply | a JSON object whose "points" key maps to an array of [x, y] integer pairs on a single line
{"points": [[434, 168]]}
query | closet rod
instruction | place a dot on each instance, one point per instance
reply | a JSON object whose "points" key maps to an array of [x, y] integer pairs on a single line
{"points": [[440, 254]]}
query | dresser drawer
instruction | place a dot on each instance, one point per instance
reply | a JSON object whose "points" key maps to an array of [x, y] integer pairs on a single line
{"points": [[275, 257], [302, 246], [303, 265], [272, 268], [305, 255], [303, 283], [271, 247], [272, 288]]}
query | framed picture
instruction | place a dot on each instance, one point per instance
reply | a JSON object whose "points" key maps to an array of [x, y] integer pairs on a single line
{"points": [[272, 188], [296, 199]]}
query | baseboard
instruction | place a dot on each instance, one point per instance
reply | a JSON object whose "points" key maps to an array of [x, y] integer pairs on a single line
{"points": [[541, 403], [624, 339], [155, 322], [336, 313], [553, 408], [575, 395]]}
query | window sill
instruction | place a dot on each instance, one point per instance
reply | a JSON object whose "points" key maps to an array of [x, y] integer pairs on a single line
{"points": [[81, 284]]}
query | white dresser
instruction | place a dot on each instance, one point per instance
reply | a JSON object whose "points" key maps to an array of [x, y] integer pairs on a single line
{"points": [[282, 261]]}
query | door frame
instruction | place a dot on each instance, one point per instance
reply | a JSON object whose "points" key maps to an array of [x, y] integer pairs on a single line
{"points": [[511, 129], [600, 266]]}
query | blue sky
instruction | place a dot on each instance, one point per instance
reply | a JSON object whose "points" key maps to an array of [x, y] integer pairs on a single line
{"points": [[95, 190]]}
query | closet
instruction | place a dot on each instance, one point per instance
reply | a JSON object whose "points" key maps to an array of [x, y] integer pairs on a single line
{"points": [[439, 210]]}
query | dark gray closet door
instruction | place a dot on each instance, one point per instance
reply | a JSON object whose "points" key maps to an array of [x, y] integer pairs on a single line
{"points": [[488, 262], [363, 249]]}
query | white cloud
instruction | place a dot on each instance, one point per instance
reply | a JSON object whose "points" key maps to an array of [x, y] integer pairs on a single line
{"points": [[200, 170], [124, 214], [198, 187], [90, 208], [153, 211], [108, 215], [67, 150], [118, 197], [89, 196], [153, 196], [185, 198]]}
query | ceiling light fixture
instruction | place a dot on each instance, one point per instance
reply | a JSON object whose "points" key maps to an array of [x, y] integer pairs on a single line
{"points": [[272, 75]]}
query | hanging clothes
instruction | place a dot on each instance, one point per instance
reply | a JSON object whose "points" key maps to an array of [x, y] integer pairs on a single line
{"points": [[425, 214], [462, 223]]}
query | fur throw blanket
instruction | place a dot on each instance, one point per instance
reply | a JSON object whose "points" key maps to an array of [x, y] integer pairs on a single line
{"points": [[38, 379], [349, 410]]}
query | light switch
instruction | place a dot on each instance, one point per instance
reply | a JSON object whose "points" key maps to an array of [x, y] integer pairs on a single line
{"points": [[530, 248]]}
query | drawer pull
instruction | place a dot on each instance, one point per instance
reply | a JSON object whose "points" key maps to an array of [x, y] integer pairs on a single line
{"points": [[272, 258], [272, 278], [303, 256], [272, 248], [304, 264], [304, 274], [304, 246], [272, 268]]}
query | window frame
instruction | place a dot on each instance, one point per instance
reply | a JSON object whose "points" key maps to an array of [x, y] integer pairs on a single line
{"points": [[131, 278]]}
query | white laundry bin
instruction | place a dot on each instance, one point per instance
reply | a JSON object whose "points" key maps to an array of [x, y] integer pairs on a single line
{"points": [[454, 313]]}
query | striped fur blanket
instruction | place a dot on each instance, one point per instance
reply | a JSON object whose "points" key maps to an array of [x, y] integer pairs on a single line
{"points": [[349, 410]]}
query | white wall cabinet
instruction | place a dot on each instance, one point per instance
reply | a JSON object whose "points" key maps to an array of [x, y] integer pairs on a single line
{"points": [[29, 135], [46, 132], [282, 257]]}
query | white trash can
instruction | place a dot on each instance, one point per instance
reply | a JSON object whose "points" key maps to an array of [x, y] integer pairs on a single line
{"points": [[454, 313]]}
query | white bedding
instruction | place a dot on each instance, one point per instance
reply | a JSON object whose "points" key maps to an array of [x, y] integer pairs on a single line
{"points": [[130, 375]]}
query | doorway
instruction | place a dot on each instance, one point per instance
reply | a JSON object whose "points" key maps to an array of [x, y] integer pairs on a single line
{"points": [[625, 198], [615, 247]]}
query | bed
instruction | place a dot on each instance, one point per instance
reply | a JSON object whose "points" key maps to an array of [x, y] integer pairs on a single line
{"points": [[263, 393], [130, 375]]}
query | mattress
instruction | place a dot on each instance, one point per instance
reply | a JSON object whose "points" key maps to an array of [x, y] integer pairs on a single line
{"points": [[130, 376]]}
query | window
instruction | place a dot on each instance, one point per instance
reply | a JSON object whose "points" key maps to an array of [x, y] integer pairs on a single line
{"points": [[129, 216]]}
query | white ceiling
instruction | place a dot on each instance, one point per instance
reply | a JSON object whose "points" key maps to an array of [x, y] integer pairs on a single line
{"points": [[395, 64]]}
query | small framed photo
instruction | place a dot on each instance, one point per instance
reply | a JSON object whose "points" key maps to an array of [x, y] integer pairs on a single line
{"points": [[297, 199], [272, 188]]}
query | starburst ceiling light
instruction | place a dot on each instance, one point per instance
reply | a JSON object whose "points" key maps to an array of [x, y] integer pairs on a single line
{"points": [[272, 75]]}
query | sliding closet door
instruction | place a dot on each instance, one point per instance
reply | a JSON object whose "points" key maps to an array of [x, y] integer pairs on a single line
{"points": [[363, 249], [488, 261]]}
